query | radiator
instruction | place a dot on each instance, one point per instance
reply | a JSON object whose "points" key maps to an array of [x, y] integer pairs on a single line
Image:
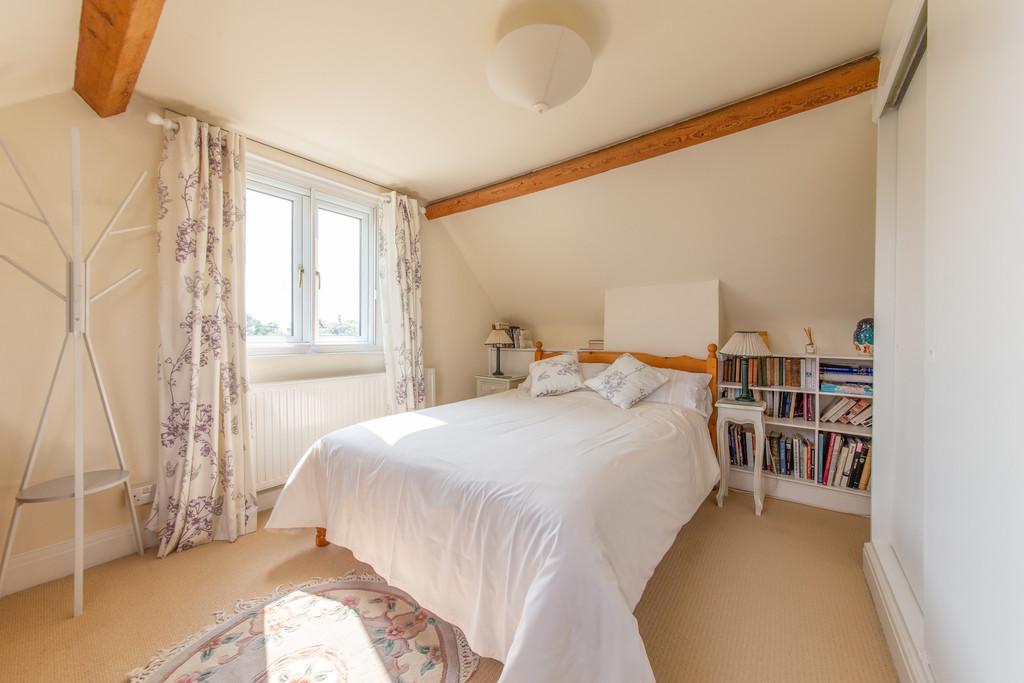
{"points": [[288, 417]]}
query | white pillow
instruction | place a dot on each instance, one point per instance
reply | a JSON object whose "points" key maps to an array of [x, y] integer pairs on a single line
{"points": [[687, 390], [627, 381], [588, 370], [555, 375]]}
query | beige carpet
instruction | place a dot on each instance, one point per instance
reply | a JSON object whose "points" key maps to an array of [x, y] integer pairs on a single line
{"points": [[737, 598]]}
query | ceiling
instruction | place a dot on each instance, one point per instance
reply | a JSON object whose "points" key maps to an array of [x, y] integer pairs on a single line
{"points": [[396, 91]]}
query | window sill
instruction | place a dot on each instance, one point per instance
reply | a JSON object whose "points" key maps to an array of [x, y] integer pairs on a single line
{"points": [[263, 350]]}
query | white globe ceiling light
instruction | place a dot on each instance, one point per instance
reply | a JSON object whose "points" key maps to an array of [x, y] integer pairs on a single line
{"points": [[539, 66]]}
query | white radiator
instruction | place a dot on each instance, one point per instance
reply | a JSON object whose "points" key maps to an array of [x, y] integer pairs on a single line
{"points": [[288, 417]]}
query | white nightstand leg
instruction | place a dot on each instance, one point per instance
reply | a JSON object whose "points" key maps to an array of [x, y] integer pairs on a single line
{"points": [[758, 466], [723, 464]]}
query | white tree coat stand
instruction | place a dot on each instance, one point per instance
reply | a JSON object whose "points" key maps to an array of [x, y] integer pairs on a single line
{"points": [[78, 302]]}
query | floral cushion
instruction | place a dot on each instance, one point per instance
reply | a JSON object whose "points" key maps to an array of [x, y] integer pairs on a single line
{"points": [[627, 381], [555, 375]]}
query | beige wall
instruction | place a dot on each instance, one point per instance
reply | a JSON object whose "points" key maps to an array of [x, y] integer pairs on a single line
{"points": [[782, 215], [114, 151], [124, 324]]}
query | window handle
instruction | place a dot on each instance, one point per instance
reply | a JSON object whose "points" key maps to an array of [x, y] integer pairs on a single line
{"points": [[302, 273], [318, 280]]}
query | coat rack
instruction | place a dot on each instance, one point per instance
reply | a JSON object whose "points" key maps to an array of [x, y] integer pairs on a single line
{"points": [[78, 300]]}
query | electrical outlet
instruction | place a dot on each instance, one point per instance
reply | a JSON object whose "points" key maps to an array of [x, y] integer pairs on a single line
{"points": [[143, 494]]}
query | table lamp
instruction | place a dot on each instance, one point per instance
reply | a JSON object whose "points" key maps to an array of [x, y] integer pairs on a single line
{"points": [[745, 345], [497, 339]]}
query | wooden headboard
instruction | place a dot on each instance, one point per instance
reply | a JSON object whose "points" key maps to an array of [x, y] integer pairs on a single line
{"points": [[707, 365]]}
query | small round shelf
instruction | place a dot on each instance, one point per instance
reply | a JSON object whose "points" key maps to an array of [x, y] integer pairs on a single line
{"points": [[63, 488]]}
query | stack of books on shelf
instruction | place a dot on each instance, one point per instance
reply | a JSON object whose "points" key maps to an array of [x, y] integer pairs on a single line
{"points": [[790, 406], [851, 411], [790, 456], [772, 371], [842, 378], [844, 461], [595, 345], [741, 446]]}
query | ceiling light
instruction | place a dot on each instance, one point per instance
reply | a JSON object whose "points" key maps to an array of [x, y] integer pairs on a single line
{"points": [[539, 66]]}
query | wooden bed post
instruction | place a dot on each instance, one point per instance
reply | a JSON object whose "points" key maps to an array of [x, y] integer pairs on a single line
{"points": [[538, 354], [321, 537], [712, 369]]}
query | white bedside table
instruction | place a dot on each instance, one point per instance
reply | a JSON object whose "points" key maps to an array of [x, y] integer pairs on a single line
{"points": [[741, 412], [490, 384]]}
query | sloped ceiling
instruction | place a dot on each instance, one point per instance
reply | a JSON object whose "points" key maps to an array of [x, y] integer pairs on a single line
{"points": [[395, 91], [782, 215], [38, 41]]}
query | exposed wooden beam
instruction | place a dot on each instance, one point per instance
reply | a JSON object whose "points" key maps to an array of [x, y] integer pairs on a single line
{"points": [[113, 39], [824, 88]]}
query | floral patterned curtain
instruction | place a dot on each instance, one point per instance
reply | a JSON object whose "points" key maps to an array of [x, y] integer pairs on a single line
{"points": [[401, 315], [205, 488]]}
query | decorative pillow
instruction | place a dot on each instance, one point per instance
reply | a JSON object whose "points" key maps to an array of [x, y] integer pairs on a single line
{"points": [[588, 370], [555, 375], [687, 390], [627, 381]]}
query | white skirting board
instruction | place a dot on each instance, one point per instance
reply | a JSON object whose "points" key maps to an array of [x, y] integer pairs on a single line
{"points": [[58, 560], [901, 617], [804, 493]]}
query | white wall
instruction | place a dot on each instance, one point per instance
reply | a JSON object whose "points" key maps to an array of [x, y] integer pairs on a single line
{"points": [[782, 215], [973, 543], [904, 459]]}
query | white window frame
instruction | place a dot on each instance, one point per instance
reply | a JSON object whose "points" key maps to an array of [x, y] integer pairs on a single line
{"points": [[309, 193]]}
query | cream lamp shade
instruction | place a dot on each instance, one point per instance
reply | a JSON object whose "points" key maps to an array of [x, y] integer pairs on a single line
{"points": [[746, 345], [498, 338], [539, 66]]}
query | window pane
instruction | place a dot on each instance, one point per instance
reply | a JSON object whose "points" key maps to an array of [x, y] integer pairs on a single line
{"points": [[338, 259], [268, 265]]}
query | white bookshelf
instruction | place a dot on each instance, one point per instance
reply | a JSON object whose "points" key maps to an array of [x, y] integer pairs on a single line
{"points": [[792, 488]]}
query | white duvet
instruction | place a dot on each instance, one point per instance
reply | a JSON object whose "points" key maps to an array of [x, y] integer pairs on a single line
{"points": [[533, 524]]}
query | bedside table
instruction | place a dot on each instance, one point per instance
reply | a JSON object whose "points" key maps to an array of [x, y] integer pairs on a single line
{"points": [[490, 384], [741, 412]]}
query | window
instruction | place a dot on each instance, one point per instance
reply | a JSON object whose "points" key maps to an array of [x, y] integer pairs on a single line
{"points": [[309, 263]]}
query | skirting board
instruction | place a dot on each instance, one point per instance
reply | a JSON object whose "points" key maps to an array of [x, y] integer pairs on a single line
{"points": [[902, 620], [805, 494], [58, 560]]}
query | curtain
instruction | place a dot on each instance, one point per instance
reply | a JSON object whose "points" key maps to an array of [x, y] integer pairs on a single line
{"points": [[398, 271], [205, 486]]}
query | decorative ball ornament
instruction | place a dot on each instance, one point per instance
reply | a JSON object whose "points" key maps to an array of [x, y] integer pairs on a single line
{"points": [[864, 336], [539, 66]]}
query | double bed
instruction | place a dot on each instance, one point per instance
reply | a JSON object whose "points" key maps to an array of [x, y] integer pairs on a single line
{"points": [[533, 524]]}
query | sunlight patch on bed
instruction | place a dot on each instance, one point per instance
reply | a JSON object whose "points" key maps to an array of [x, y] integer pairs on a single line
{"points": [[394, 428]]}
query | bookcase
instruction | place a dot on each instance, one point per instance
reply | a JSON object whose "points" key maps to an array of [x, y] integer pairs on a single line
{"points": [[807, 395]]}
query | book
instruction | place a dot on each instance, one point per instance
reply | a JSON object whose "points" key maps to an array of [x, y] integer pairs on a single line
{"points": [[865, 476], [862, 417], [854, 410]]}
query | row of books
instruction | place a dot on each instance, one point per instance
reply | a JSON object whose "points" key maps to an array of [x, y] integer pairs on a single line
{"points": [[838, 461], [789, 456], [844, 461], [781, 404], [853, 411], [846, 378], [772, 371]]}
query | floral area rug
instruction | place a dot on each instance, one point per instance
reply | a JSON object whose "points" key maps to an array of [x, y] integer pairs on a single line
{"points": [[354, 629]]}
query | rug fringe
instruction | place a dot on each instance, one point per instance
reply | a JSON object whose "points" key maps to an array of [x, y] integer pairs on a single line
{"points": [[468, 660], [140, 674]]}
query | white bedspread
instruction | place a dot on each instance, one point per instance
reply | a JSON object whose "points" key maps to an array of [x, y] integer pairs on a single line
{"points": [[533, 524]]}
